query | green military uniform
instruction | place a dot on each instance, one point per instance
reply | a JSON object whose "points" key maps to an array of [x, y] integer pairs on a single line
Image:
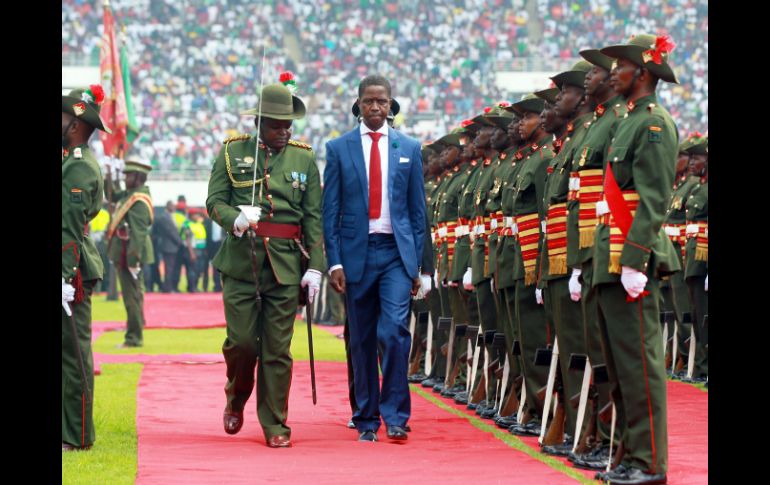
{"points": [[640, 158], [289, 194], [526, 208], [130, 249], [673, 289], [585, 189], [696, 261], [553, 275], [81, 199]]}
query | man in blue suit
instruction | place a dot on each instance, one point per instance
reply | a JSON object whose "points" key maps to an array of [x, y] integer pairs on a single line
{"points": [[374, 229]]}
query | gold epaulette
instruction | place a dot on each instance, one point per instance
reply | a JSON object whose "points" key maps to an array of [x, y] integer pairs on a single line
{"points": [[300, 145], [236, 138]]}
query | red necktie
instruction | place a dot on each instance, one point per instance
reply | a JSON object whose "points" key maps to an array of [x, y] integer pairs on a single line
{"points": [[375, 177]]}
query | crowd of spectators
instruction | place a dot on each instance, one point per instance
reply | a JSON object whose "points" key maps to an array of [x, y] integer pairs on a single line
{"points": [[195, 64]]}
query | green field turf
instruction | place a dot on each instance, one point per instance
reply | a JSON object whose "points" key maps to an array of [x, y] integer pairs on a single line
{"points": [[113, 457]]}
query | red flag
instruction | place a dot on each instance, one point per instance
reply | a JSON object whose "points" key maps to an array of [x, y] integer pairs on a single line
{"points": [[113, 111]]}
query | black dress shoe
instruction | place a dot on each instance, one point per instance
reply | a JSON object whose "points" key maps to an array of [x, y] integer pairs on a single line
{"points": [[506, 422], [429, 382], [407, 428], [634, 476], [397, 433], [419, 377], [438, 387], [603, 475], [351, 424], [489, 413], [563, 449], [279, 442], [367, 436], [233, 421], [596, 459], [69, 447], [530, 429], [461, 397], [472, 406]]}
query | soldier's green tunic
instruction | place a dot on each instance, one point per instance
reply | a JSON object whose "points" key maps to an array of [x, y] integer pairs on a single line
{"points": [[527, 193], [566, 314], [291, 194], [676, 297], [696, 269], [590, 156], [81, 198], [136, 251], [440, 305], [642, 155]]}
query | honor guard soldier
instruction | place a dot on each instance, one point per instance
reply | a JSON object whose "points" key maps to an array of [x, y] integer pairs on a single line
{"points": [[129, 245], [631, 254], [82, 192], [260, 259]]}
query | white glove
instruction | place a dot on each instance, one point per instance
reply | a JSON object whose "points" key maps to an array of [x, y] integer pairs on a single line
{"points": [[249, 216], [539, 296], [435, 279], [574, 284], [425, 284], [467, 278], [706, 286], [312, 280], [633, 281], [492, 284], [67, 294], [135, 272]]}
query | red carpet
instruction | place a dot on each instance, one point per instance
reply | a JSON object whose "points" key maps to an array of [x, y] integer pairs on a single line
{"points": [[180, 438], [688, 440], [179, 310]]}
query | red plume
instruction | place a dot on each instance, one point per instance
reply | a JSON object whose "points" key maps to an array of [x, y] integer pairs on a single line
{"points": [[663, 45], [466, 123], [98, 93], [487, 109], [286, 76], [503, 104]]}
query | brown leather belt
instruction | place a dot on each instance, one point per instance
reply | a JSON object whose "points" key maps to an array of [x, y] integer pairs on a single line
{"points": [[282, 231]]}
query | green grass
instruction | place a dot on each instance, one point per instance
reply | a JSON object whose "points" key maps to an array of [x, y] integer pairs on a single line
{"points": [[326, 346], [107, 311], [507, 438], [113, 457]]}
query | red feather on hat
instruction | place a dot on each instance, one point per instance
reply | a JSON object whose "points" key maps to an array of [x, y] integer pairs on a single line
{"points": [[98, 93], [466, 123], [487, 109], [663, 45], [286, 76]]}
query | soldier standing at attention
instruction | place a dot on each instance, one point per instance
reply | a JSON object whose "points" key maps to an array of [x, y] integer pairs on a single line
{"points": [[82, 190], [265, 263], [632, 252], [129, 245]]}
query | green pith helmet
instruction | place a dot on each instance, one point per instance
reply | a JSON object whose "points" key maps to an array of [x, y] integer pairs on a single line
{"points": [[529, 103], [85, 104], [453, 138], [278, 103], [499, 116], [549, 95], [137, 166], [697, 144], [647, 51], [595, 57], [574, 77]]}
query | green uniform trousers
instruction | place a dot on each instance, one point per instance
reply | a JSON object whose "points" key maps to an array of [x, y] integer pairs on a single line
{"points": [[77, 400], [464, 310], [568, 322], [487, 311], [633, 350], [506, 322], [264, 335], [676, 298], [133, 300], [700, 308], [593, 345], [534, 333]]}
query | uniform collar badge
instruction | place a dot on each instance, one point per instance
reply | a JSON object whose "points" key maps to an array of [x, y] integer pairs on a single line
{"points": [[79, 108], [77, 153]]}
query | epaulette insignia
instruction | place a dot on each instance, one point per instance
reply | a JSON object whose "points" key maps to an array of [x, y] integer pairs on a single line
{"points": [[237, 138], [300, 145]]}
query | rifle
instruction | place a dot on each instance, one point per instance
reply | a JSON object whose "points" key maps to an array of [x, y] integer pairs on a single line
{"points": [[539, 358], [429, 347], [582, 397], [471, 334], [476, 354], [449, 350], [459, 332]]}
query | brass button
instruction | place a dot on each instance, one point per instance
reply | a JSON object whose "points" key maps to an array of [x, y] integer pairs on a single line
{"points": [[267, 239]]}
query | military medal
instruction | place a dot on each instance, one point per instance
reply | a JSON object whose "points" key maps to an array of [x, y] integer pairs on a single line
{"points": [[77, 152], [303, 182], [248, 160]]}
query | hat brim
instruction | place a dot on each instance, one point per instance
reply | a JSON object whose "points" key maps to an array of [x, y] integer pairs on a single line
{"points": [[529, 106], [595, 57], [90, 116], [698, 148], [298, 111], [570, 78], [548, 95], [500, 121], [634, 54]]}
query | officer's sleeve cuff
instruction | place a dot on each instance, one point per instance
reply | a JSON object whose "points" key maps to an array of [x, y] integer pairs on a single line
{"points": [[336, 266], [635, 256]]}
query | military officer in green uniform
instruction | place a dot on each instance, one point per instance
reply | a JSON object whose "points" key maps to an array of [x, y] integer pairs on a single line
{"points": [[526, 209], [260, 257], [585, 187], [673, 289], [632, 252], [697, 255], [130, 247], [81, 198], [572, 119]]}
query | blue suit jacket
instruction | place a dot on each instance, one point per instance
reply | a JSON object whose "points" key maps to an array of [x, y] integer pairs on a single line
{"points": [[346, 202]]}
